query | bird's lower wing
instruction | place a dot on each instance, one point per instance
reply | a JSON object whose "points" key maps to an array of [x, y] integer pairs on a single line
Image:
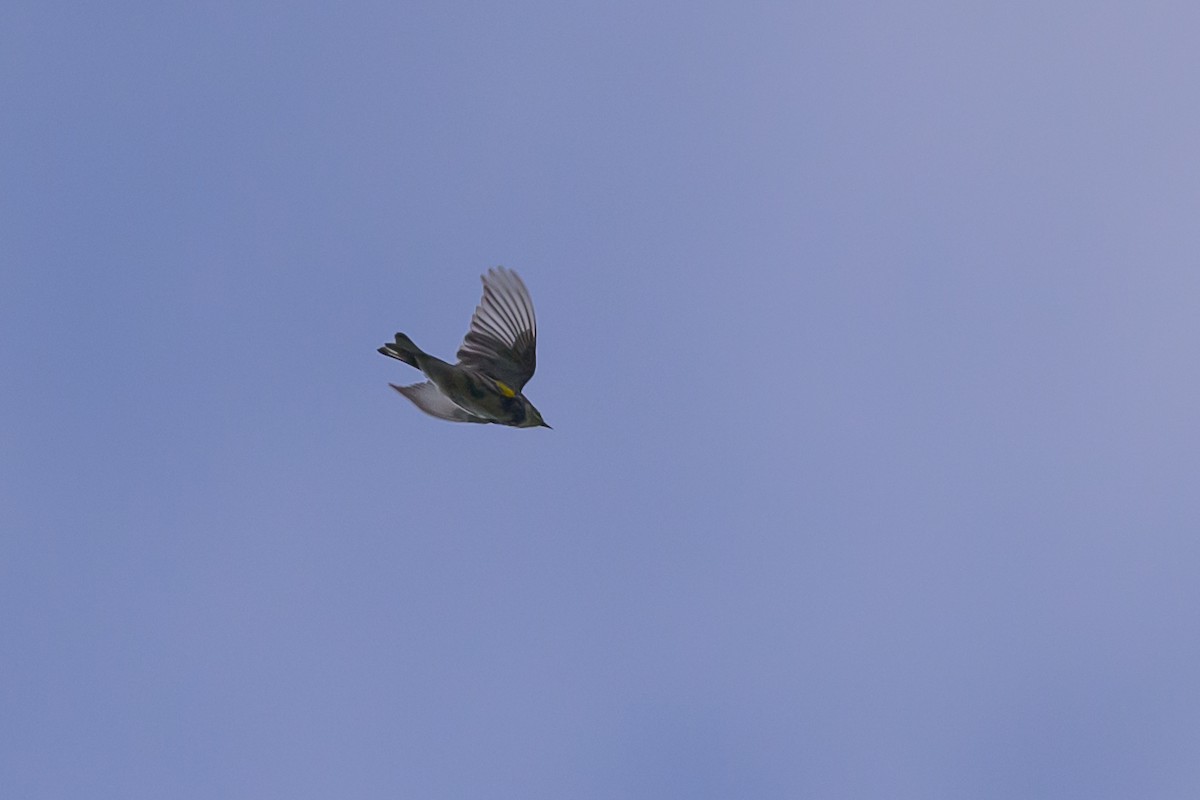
{"points": [[429, 399]]}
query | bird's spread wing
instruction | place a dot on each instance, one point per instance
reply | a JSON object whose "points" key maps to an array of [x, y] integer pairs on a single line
{"points": [[503, 335], [429, 399]]}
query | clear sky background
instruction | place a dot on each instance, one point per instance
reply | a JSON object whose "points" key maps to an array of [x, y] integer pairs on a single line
{"points": [[869, 333]]}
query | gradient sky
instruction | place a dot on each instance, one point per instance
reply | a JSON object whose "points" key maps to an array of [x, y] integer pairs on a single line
{"points": [[869, 335]]}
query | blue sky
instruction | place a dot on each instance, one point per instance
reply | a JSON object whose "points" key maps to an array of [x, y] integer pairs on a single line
{"points": [[867, 331]]}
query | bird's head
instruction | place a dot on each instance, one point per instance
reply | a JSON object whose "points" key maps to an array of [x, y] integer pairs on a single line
{"points": [[533, 418]]}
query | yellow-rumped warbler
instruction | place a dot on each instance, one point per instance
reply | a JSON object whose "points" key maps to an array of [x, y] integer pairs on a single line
{"points": [[495, 361]]}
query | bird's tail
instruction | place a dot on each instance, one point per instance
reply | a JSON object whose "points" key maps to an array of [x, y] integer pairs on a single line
{"points": [[402, 349]]}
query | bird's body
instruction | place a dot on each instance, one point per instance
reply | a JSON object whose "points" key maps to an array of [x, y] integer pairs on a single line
{"points": [[495, 361]]}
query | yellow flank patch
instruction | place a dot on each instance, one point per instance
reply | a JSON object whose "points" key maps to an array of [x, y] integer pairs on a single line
{"points": [[505, 389]]}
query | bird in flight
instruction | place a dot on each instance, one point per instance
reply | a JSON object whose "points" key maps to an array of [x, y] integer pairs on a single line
{"points": [[496, 360]]}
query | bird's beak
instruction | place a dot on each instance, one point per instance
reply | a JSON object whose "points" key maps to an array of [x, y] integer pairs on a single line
{"points": [[544, 425]]}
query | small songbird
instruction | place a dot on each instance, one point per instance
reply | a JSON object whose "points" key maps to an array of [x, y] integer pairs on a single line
{"points": [[496, 360]]}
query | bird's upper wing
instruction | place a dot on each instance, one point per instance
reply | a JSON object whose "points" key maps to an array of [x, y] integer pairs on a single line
{"points": [[503, 336], [429, 399]]}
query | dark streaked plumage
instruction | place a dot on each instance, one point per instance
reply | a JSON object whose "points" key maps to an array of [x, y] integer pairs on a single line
{"points": [[496, 360]]}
